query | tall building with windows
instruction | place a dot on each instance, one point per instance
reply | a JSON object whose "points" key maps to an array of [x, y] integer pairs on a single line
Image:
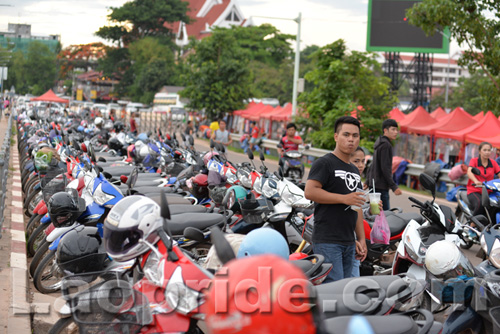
{"points": [[20, 36]]}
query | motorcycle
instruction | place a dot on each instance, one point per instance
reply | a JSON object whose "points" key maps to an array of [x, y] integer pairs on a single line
{"points": [[291, 165]]}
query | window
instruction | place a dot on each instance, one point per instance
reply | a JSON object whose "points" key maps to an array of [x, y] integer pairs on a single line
{"points": [[233, 17], [452, 70]]}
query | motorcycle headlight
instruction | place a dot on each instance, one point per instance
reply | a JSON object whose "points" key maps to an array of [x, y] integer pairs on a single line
{"points": [[293, 154], [100, 197], [153, 269], [191, 160], [231, 200], [179, 296], [245, 179], [411, 251], [257, 185], [288, 197], [495, 254], [269, 188], [231, 177]]}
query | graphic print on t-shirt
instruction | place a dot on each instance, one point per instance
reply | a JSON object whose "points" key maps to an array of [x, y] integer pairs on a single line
{"points": [[351, 179]]}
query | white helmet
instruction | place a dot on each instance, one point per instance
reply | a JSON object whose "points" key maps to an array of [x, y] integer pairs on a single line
{"points": [[132, 219], [99, 121], [444, 260]]}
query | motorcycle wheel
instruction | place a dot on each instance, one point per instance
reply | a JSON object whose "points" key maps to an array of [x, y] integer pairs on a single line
{"points": [[32, 224], [36, 238], [64, 326], [41, 252], [48, 277]]}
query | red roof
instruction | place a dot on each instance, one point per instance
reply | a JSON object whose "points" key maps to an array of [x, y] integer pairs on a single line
{"points": [[197, 28], [439, 113], [483, 124], [257, 114], [397, 115], [417, 118], [458, 119], [270, 113], [252, 108], [239, 112], [50, 96]]}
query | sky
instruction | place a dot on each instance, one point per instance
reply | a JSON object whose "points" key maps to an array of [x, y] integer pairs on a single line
{"points": [[323, 21]]}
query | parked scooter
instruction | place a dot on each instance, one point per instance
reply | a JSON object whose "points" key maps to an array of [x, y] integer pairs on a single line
{"points": [[292, 166]]}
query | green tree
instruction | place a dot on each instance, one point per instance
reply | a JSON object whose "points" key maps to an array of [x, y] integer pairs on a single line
{"points": [[473, 24], [343, 81], [35, 72], [474, 94], [140, 18], [219, 78]]}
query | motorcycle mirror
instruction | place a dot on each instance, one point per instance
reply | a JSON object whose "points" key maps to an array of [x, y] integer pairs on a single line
{"points": [[221, 148], [76, 146], [107, 175], [307, 147], [193, 233], [165, 211], [212, 144], [279, 146], [476, 171], [250, 154], [262, 157], [99, 168], [132, 178], [485, 199], [70, 131], [222, 247], [428, 183], [174, 136], [101, 159]]}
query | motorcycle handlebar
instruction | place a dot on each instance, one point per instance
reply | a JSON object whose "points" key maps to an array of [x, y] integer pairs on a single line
{"points": [[416, 201]]}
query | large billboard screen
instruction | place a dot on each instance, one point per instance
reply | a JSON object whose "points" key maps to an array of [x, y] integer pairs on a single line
{"points": [[389, 30]]}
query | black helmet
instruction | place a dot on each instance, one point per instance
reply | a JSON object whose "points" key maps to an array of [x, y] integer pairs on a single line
{"points": [[65, 207], [78, 251], [115, 144], [118, 126]]}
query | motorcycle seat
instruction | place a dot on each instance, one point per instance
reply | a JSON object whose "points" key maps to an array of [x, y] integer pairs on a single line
{"points": [[176, 209], [119, 170], [170, 199], [152, 190], [389, 324], [397, 221], [462, 195], [305, 211], [334, 299], [201, 221]]}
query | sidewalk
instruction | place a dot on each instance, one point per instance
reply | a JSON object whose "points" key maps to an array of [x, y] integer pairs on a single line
{"points": [[14, 306]]}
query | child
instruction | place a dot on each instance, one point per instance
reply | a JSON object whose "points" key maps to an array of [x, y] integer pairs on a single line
{"points": [[358, 160]]}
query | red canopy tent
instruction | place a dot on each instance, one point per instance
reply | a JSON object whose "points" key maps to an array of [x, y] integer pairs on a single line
{"points": [[270, 113], [439, 113], [397, 115], [484, 133], [252, 109], [50, 96], [417, 118], [457, 120], [460, 135], [239, 112], [256, 114], [284, 115], [479, 116]]}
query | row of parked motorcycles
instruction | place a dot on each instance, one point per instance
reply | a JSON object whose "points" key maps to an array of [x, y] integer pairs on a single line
{"points": [[133, 235]]}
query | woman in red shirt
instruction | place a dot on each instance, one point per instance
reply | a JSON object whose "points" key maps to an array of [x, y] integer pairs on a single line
{"points": [[489, 170]]}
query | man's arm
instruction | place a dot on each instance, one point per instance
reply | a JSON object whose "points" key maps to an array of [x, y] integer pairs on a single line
{"points": [[385, 157], [360, 236], [314, 191], [297, 141]]}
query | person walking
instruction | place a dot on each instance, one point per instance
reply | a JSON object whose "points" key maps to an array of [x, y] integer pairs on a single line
{"points": [[381, 167], [332, 184], [222, 135]]}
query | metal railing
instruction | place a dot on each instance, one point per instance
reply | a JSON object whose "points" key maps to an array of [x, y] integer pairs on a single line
{"points": [[4, 170], [412, 169]]}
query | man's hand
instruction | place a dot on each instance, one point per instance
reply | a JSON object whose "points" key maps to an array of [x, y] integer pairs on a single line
{"points": [[356, 199], [361, 250], [398, 192]]}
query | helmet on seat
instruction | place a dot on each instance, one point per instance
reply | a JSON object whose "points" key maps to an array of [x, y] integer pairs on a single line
{"points": [[285, 305], [132, 219], [99, 121], [64, 208], [444, 260], [118, 126], [207, 157], [264, 241]]}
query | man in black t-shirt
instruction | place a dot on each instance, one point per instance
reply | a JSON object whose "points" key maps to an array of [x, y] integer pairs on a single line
{"points": [[332, 185]]}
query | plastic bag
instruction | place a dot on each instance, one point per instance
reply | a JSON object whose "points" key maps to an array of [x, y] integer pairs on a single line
{"points": [[380, 234]]}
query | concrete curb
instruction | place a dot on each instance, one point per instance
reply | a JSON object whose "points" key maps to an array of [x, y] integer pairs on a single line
{"points": [[19, 315]]}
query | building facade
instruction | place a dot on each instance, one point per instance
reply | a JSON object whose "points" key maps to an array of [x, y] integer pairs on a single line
{"points": [[20, 36]]}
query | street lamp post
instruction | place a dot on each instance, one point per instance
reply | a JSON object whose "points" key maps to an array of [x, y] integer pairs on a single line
{"points": [[297, 59]]}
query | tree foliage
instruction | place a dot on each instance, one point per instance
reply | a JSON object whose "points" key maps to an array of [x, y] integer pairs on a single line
{"points": [[36, 72], [343, 81], [140, 18], [218, 79], [474, 94], [80, 56], [473, 24]]}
